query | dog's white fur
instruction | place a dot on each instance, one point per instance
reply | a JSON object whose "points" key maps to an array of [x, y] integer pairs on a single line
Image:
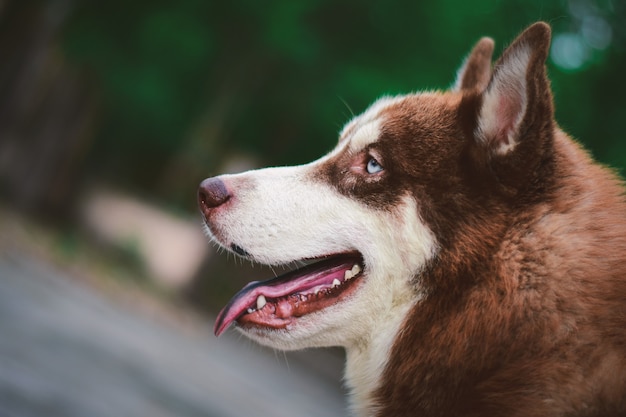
{"points": [[284, 214]]}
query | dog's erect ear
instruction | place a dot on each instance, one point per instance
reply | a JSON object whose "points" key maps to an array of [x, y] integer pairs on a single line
{"points": [[517, 103], [475, 72]]}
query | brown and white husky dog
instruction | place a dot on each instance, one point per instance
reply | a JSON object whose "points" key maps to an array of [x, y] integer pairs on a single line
{"points": [[469, 256]]}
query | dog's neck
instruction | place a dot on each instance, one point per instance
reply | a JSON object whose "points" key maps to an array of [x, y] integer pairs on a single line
{"points": [[366, 360]]}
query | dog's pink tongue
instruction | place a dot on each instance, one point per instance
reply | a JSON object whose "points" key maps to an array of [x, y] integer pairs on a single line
{"points": [[271, 303]]}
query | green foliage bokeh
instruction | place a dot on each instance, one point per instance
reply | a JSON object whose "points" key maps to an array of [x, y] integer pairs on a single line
{"points": [[198, 80]]}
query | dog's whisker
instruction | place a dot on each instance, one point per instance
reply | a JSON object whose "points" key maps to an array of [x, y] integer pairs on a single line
{"points": [[273, 271], [352, 114]]}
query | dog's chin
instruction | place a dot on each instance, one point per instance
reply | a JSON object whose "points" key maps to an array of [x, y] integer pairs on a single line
{"points": [[292, 305]]}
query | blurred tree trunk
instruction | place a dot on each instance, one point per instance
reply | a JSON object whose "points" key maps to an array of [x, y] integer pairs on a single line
{"points": [[46, 115]]}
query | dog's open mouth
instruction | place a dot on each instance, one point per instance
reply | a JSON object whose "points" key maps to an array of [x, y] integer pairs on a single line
{"points": [[277, 302]]}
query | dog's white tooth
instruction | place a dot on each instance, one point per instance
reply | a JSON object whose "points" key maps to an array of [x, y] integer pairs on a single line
{"points": [[336, 283], [355, 269], [250, 310], [348, 275], [260, 302]]}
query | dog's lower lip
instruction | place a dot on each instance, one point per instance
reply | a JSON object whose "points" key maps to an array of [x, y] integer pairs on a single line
{"points": [[275, 302], [239, 250]]}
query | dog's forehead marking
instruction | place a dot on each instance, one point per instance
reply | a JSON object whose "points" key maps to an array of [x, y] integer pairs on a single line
{"points": [[364, 129], [365, 135]]}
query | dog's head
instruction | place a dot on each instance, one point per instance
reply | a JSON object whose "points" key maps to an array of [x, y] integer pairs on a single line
{"points": [[408, 181]]}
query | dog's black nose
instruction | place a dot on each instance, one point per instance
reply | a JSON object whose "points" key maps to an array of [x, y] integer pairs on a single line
{"points": [[212, 193]]}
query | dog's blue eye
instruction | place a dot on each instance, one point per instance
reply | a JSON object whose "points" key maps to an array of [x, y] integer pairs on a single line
{"points": [[373, 167]]}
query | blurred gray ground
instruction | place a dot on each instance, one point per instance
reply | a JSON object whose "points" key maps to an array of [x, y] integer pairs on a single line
{"points": [[67, 350]]}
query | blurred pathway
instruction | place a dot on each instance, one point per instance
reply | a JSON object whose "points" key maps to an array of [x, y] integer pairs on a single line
{"points": [[68, 351]]}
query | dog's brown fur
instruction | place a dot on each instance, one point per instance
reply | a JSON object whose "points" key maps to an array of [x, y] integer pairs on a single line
{"points": [[524, 307], [491, 251]]}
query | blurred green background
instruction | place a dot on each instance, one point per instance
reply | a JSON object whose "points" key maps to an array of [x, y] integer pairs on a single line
{"points": [[150, 97]]}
